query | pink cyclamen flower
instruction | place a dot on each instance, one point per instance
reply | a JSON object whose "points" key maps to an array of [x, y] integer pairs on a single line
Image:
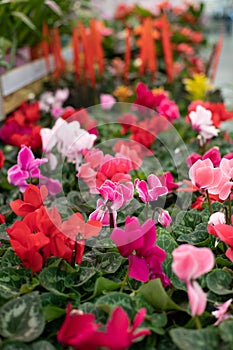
{"points": [[117, 193], [27, 167], [101, 213], [221, 313], [168, 109], [203, 174], [150, 194], [107, 101], [164, 218], [201, 120], [190, 263], [167, 180], [137, 243]]}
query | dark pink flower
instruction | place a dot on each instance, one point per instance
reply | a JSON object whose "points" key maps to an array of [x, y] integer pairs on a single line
{"points": [[168, 109], [137, 243], [213, 154], [146, 98], [27, 167], [167, 180]]}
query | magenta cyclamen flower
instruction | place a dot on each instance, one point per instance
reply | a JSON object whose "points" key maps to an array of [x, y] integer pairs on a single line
{"points": [[27, 167], [150, 194], [137, 243], [190, 263]]}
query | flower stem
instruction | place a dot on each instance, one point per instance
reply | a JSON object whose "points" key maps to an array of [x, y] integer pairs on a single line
{"points": [[229, 210], [74, 254], [111, 219], [197, 322], [147, 210], [124, 281], [209, 202]]}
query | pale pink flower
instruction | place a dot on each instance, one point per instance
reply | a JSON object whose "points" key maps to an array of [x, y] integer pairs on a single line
{"points": [[222, 188], [203, 174], [217, 218], [88, 175], [190, 263], [197, 298], [107, 101], [151, 193], [221, 314], [201, 120]]}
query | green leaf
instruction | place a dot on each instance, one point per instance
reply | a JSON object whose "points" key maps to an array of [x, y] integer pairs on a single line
{"points": [[166, 242], [56, 280], [42, 345], [192, 339], [7, 291], [10, 281], [52, 312], [155, 294], [218, 281], [10, 259], [22, 318], [110, 262], [192, 219], [24, 19], [103, 284], [14, 346], [29, 286], [83, 275], [226, 331], [196, 238], [157, 322], [110, 301]]}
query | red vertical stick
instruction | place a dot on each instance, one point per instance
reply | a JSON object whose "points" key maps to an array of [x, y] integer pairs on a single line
{"points": [[127, 54], [75, 44], [45, 45], [167, 48]]}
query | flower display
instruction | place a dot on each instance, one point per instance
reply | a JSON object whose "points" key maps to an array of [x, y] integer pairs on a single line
{"points": [[116, 219]]}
